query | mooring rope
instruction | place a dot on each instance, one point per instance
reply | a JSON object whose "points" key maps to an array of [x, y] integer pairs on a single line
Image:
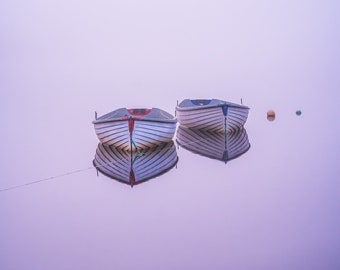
{"points": [[55, 177], [46, 179]]}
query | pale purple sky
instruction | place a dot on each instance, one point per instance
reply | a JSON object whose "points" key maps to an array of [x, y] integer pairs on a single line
{"points": [[276, 207]]}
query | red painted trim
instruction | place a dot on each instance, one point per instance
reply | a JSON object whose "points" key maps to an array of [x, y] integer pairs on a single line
{"points": [[139, 112], [131, 124]]}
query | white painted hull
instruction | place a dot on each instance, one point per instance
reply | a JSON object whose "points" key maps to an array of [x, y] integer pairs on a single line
{"points": [[145, 134], [134, 168], [135, 129], [212, 117], [114, 133], [216, 145]]}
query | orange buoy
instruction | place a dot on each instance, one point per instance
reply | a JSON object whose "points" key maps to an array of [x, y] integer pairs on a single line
{"points": [[271, 115]]}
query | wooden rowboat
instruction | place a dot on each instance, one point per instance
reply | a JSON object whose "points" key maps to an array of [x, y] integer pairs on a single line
{"points": [[211, 114], [133, 129], [133, 168], [216, 145]]}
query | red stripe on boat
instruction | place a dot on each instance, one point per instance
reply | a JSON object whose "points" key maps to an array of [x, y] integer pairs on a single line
{"points": [[139, 112], [131, 124]]}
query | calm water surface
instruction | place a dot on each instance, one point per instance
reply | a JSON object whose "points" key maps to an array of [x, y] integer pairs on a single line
{"points": [[274, 207]]}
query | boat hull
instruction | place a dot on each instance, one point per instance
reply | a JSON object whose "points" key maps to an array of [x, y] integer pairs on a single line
{"points": [[133, 129], [145, 134], [216, 116]]}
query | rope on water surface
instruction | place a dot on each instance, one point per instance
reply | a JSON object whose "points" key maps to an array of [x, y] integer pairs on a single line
{"points": [[54, 177]]}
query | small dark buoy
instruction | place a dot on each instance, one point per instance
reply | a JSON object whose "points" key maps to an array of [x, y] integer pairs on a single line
{"points": [[298, 112], [271, 115]]}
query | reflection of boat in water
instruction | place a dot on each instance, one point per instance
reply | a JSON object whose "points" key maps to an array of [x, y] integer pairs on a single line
{"points": [[211, 114], [133, 168], [130, 129], [216, 145]]}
